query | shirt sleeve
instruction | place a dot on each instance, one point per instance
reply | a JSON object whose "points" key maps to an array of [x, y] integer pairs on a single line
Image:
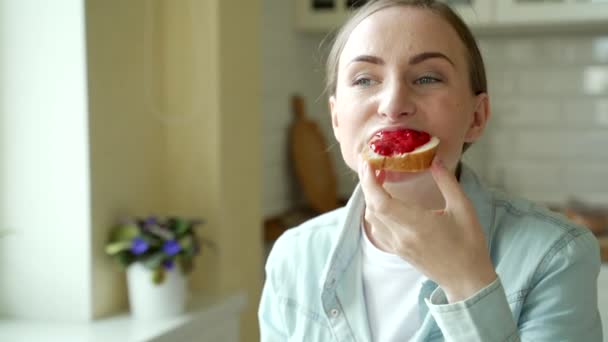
{"points": [[269, 312], [560, 305], [485, 316]]}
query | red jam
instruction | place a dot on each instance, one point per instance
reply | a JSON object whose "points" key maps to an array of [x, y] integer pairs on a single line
{"points": [[389, 143]]}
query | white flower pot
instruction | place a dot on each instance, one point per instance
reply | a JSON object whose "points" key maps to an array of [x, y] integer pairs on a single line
{"points": [[149, 301]]}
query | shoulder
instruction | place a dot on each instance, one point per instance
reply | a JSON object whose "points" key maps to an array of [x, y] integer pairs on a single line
{"points": [[532, 231], [320, 227], [306, 245], [318, 231]]}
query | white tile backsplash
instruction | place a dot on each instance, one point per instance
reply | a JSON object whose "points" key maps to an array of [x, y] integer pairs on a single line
{"points": [[521, 52], [595, 80], [549, 134], [502, 81], [547, 139], [586, 112], [599, 50], [550, 81], [524, 176], [502, 142], [518, 111], [290, 64], [590, 177]]}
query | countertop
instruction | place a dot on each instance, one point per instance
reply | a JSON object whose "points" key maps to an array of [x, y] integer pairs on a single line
{"points": [[203, 312]]}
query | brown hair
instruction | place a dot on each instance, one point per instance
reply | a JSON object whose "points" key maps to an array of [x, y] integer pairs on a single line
{"points": [[477, 73]]}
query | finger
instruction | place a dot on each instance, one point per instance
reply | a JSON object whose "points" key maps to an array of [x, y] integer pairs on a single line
{"points": [[376, 198], [397, 241], [448, 185], [381, 203], [380, 176], [378, 228]]}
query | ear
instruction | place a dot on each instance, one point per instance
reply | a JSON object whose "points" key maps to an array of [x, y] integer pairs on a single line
{"points": [[480, 118], [334, 116]]}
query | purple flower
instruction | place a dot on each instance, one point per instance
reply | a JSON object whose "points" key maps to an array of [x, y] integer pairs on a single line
{"points": [[139, 246], [171, 247], [168, 264], [150, 221]]}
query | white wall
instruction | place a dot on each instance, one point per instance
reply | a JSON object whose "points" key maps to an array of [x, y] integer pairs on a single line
{"points": [[549, 94], [128, 159], [549, 133], [291, 63], [44, 198]]}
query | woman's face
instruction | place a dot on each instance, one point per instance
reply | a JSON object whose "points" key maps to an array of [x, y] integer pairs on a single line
{"points": [[405, 67]]}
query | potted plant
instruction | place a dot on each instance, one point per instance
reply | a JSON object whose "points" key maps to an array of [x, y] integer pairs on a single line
{"points": [[157, 254]]}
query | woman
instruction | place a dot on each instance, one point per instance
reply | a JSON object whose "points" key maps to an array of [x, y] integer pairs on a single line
{"points": [[431, 255]]}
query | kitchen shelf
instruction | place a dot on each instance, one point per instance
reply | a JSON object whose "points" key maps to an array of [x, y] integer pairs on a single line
{"points": [[550, 12], [485, 17], [208, 319]]}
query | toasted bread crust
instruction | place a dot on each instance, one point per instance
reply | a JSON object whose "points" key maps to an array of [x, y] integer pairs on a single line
{"points": [[411, 162]]}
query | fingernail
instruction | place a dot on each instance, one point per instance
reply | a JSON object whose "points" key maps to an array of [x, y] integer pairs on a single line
{"points": [[438, 162]]}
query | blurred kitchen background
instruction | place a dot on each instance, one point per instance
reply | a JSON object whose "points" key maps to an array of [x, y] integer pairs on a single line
{"points": [[112, 107], [547, 66]]}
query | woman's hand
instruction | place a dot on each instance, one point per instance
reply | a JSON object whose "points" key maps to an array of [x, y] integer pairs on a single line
{"points": [[448, 245]]}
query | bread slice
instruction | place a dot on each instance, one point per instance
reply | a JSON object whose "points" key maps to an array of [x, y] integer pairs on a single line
{"points": [[419, 159]]}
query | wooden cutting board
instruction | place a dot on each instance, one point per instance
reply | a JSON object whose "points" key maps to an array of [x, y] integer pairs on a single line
{"points": [[312, 161], [603, 242]]}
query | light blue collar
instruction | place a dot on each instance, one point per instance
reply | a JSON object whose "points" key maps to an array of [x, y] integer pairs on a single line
{"points": [[342, 274]]}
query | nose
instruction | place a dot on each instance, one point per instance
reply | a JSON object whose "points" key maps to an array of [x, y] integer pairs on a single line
{"points": [[396, 101]]}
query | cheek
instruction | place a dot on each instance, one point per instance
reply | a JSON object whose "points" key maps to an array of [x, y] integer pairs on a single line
{"points": [[350, 118], [449, 118], [450, 122], [350, 133]]}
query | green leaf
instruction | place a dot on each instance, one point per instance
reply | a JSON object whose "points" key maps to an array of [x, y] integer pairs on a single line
{"points": [[154, 260], [125, 232], [117, 247], [158, 276], [152, 240], [181, 226], [186, 242], [189, 252], [124, 259], [186, 264]]}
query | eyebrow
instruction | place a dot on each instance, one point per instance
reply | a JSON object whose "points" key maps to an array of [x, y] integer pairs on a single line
{"points": [[419, 58]]}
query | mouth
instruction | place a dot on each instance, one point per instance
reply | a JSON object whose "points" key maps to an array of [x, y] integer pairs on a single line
{"points": [[390, 129]]}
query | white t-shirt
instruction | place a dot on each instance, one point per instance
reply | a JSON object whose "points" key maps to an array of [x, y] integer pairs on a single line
{"points": [[391, 286]]}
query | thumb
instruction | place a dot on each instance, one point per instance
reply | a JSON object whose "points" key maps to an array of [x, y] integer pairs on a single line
{"points": [[448, 185]]}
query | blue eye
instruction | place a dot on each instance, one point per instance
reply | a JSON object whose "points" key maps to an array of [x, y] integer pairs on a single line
{"points": [[427, 80], [363, 82]]}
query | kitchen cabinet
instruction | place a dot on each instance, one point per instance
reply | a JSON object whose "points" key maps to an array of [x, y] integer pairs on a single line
{"points": [[322, 16], [542, 12], [473, 12], [484, 16], [326, 15]]}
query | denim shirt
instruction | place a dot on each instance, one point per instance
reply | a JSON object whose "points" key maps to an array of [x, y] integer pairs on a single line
{"points": [[546, 288]]}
